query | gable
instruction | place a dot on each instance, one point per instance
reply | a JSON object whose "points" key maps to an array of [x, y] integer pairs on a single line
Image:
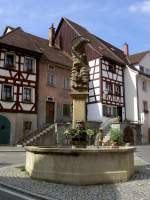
{"points": [[97, 45]]}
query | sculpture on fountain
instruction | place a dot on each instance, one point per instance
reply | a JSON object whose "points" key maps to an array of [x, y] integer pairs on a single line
{"points": [[80, 70]]}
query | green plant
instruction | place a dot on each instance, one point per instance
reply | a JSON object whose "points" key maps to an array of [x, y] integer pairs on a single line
{"points": [[79, 131], [116, 136], [90, 132]]}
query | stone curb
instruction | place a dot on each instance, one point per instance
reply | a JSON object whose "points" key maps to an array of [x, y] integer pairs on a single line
{"points": [[12, 151], [26, 192]]}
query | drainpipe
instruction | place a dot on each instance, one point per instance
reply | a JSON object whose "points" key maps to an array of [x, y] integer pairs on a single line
{"points": [[137, 98]]}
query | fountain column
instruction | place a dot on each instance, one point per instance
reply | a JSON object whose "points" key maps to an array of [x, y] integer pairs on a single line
{"points": [[79, 80], [79, 107]]}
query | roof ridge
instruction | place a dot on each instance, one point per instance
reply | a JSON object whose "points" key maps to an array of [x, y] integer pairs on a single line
{"points": [[99, 40], [35, 36], [15, 29], [141, 52]]}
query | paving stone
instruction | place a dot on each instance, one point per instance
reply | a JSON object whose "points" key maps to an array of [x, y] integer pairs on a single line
{"points": [[137, 188]]}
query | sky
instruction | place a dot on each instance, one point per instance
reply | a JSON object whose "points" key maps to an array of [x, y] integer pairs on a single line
{"points": [[116, 21]]}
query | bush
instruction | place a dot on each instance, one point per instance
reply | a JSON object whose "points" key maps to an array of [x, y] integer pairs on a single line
{"points": [[116, 136]]}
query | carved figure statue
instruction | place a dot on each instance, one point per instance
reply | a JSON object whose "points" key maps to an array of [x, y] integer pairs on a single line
{"points": [[80, 69]]}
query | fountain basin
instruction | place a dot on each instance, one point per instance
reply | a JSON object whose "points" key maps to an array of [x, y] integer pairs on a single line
{"points": [[80, 166]]}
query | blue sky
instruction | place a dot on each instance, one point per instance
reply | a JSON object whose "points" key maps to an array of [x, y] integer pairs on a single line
{"points": [[116, 21]]}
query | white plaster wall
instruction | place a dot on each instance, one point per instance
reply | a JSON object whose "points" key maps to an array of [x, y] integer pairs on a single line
{"points": [[144, 96], [94, 112], [130, 94], [32, 77], [16, 121], [5, 72]]}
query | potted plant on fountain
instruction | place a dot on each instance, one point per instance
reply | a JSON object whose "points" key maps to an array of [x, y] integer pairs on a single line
{"points": [[79, 136], [116, 137]]}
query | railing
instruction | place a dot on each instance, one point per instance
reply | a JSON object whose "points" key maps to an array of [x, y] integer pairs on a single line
{"points": [[107, 123], [32, 134]]}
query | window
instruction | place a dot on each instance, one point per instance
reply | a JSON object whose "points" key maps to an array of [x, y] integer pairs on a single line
{"points": [[117, 90], [144, 85], [27, 125], [109, 111], [66, 110], [66, 83], [145, 107], [26, 94], [28, 65], [9, 60], [51, 79], [109, 87], [112, 68], [141, 68], [7, 93]]}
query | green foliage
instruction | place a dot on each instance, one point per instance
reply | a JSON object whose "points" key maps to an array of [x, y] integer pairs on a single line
{"points": [[90, 132], [77, 131], [116, 136]]}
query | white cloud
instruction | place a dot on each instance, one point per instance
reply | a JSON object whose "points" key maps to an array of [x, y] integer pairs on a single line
{"points": [[141, 7]]}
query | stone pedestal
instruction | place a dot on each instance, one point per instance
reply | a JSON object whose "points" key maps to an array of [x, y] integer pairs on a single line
{"points": [[79, 107]]}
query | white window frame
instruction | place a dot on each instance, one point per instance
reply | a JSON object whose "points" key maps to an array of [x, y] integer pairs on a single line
{"points": [[23, 100], [4, 97], [66, 83], [33, 64], [49, 80], [10, 53]]}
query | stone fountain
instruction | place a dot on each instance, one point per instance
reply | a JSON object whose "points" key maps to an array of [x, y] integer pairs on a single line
{"points": [[80, 166]]}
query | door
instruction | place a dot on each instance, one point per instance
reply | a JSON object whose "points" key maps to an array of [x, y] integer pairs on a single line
{"points": [[119, 112], [4, 130], [50, 112], [128, 136]]}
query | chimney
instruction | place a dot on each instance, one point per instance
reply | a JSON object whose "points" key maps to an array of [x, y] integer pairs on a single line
{"points": [[51, 35], [126, 49]]}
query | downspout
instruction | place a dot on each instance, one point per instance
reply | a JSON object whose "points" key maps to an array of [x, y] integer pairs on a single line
{"points": [[137, 98], [124, 99]]}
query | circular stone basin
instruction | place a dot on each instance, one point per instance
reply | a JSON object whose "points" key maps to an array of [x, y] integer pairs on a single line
{"points": [[80, 166]]}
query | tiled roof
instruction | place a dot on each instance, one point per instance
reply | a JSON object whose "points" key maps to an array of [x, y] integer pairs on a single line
{"points": [[136, 58], [103, 47], [19, 38]]}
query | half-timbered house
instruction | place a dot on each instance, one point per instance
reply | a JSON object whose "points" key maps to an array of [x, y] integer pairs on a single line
{"points": [[106, 63], [34, 84], [18, 85]]}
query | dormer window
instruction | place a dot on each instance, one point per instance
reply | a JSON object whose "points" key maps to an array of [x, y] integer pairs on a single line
{"points": [[28, 65], [9, 60]]}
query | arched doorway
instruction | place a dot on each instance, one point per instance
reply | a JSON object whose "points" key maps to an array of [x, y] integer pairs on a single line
{"points": [[4, 130], [128, 136]]}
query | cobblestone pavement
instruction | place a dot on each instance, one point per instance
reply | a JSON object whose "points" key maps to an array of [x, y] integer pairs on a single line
{"points": [[143, 152], [11, 156], [138, 188]]}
